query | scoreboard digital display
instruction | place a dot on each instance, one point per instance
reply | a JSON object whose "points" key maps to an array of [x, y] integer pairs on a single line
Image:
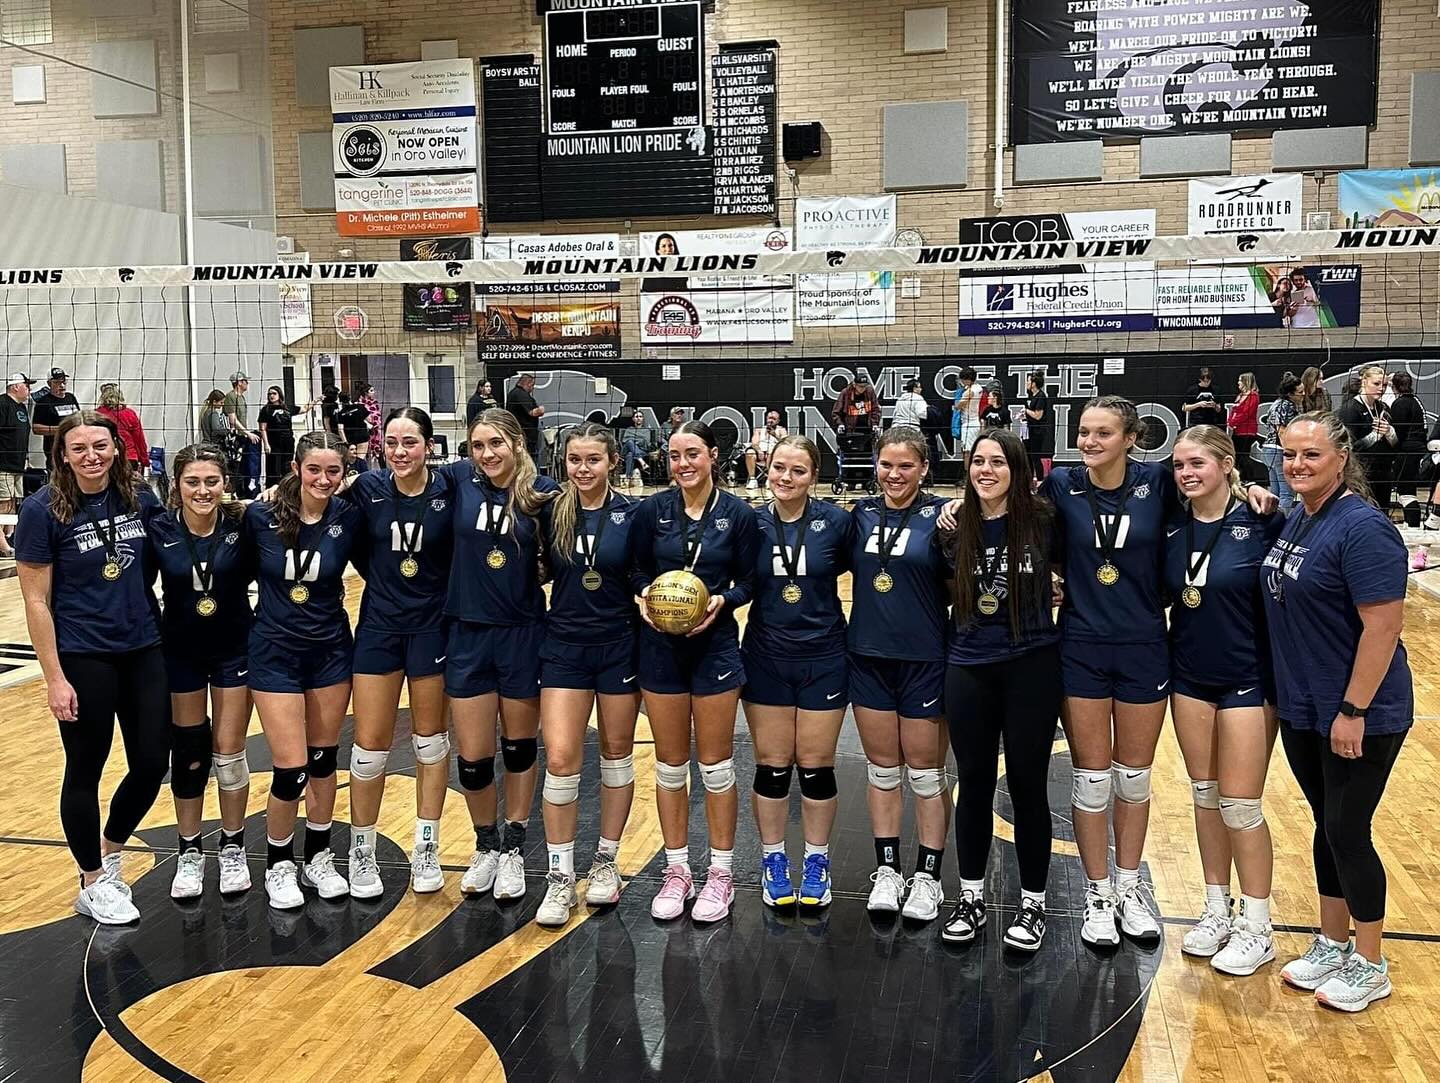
{"points": [[617, 69]]}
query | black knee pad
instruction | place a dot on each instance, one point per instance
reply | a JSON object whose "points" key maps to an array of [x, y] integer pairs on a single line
{"points": [[772, 782], [288, 783], [190, 754], [322, 760], [519, 755], [818, 783], [476, 774]]}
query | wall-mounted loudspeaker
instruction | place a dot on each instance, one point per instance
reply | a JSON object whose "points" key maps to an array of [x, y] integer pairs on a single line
{"points": [[802, 141]]}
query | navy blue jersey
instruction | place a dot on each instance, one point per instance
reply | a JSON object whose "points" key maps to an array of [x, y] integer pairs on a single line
{"points": [[335, 540], [598, 616], [908, 621], [225, 560], [397, 526], [1223, 642], [1353, 556], [726, 563], [1133, 610], [93, 614], [814, 626], [479, 591], [981, 638]]}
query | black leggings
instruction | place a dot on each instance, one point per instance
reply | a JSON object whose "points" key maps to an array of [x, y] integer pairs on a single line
{"points": [[131, 687], [1343, 795], [1019, 698], [1248, 468]]}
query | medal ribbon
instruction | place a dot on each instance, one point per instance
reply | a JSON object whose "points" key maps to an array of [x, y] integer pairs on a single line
{"points": [[791, 561], [695, 530], [204, 575], [409, 538], [1106, 536], [1193, 569], [112, 552], [886, 544], [301, 567], [587, 550]]}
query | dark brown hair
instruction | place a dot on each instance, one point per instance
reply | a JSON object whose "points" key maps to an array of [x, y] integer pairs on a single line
{"points": [[202, 453], [65, 490], [287, 493]]}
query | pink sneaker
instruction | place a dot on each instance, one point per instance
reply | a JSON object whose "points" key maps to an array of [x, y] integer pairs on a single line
{"points": [[1420, 559], [676, 889], [715, 897]]}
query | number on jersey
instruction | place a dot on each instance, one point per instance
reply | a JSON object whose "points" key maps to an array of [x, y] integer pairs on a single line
{"points": [[1200, 576], [1121, 534], [312, 573], [492, 519], [872, 544], [402, 532], [778, 558]]}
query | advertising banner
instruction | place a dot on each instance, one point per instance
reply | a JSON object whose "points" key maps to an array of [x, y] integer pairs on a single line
{"points": [[1386, 198], [1261, 296], [549, 246], [438, 306], [405, 206], [845, 222], [563, 331], [1267, 204], [707, 310], [295, 313]]}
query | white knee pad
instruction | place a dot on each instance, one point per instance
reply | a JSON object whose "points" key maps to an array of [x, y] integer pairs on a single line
{"points": [[232, 772], [1206, 792], [926, 781], [617, 773], [882, 778], [1090, 790], [718, 777], [1132, 784], [433, 749], [1241, 813], [672, 776], [561, 789], [366, 764]]}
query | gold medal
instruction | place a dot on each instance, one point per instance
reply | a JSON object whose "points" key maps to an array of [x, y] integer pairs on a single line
{"points": [[792, 593], [299, 594], [1191, 597], [111, 571], [1107, 574], [884, 582], [206, 605], [988, 604], [591, 579], [495, 559], [409, 567]]}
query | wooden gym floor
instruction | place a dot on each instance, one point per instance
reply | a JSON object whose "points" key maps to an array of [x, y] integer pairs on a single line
{"points": [[439, 987]]}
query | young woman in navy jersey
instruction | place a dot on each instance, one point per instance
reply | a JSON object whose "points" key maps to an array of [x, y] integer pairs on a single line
{"points": [[492, 656], [897, 668], [301, 655], [400, 637], [588, 662], [205, 630], [1220, 674], [85, 577], [692, 683], [1002, 678], [1334, 601], [796, 672]]}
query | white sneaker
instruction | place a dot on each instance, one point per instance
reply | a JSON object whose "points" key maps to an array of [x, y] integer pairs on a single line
{"points": [[510, 876], [1099, 928], [1358, 985], [1251, 946], [604, 886], [1209, 934], [105, 902], [560, 899], [751, 485], [234, 870], [282, 886], [1137, 920], [480, 876], [636, 481], [320, 873], [926, 895], [1321, 962], [364, 873], [110, 870], [889, 889], [189, 881], [426, 875]]}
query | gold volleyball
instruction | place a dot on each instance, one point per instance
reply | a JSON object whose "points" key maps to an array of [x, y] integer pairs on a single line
{"points": [[677, 601]]}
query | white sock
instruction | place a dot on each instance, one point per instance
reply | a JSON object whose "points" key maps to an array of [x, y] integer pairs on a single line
{"points": [[1256, 910], [1341, 944], [1217, 898], [721, 859], [821, 848], [974, 887], [562, 858], [1035, 897], [1102, 887], [608, 847], [311, 825], [1126, 878], [768, 848], [678, 857], [362, 836], [427, 831]]}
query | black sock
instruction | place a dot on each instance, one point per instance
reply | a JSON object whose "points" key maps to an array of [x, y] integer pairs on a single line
{"points": [[316, 839], [189, 844], [887, 852], [514, 835], [278, 852], [928, 861], [229, 839], [487, 837]]}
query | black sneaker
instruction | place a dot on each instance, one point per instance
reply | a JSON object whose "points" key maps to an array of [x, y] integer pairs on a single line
{"points": [[965, 921], [1028, 928]]}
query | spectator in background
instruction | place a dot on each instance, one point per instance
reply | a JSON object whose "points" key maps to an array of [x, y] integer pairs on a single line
{"points": [[1283, 410], [14, 446], [478, 403], [211, 425], [1201, 407], [132, 433], [762, 443], [353, 421], [1243, 420], [520, 401], [638, 442], [1372, 435], [857, 409], [1313, 395], [329, 407], [237, 414], [965, 413], [277, 434], [995, 415], [365, 396], [52, 406], [1040, 419], [910, 407], [1407, 417]]}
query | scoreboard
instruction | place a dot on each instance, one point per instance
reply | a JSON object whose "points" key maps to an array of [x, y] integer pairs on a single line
{"points": [[619, 69]]}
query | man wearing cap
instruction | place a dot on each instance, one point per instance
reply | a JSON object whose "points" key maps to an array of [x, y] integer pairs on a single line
{"points": [[856, 410], [237, 413], [14, 446], [52, 406]]}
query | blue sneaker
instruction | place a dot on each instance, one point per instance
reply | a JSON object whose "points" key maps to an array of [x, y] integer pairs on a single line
{"points": [[775, 880], [815, 883]]}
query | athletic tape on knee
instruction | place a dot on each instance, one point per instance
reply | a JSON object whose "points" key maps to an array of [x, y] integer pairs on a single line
{"points": [[771, 782], [519, 755], [1090, 790], [882, 778], [366, 764], [323, 759], [475, 774], [1206, 792], [232, 771], [561, 789], [288, 783], [433, 749], [190, 754], [1241, 813], [617, 773], [926, 781], [1132, 784], [818, 783], [672, 776], [718, 777]]}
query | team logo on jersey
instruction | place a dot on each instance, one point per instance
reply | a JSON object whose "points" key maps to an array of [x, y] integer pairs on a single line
{"points": [[232, 539], [1240, 533], [617, 517], [437, 504], [335, 530], [1141, 491], [928, 513], [817, 526], [722, 524]]}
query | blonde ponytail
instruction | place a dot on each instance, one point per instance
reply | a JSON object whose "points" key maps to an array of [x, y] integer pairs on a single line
{"points": [[1217, 443]]}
